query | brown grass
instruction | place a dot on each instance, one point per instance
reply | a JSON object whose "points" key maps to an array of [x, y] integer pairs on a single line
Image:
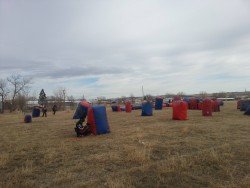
{"points": [[139, 152]]}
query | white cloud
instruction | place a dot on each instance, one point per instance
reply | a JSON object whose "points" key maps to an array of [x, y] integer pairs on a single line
{"points": [[111, 48]]}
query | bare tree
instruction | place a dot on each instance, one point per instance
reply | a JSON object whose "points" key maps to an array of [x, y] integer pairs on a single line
{"points": [[59, 97], [247, 94], [232, 95], [33, 97], [203, 94], [3, 92], [21, 101], [123, 99], [181, 94], [169, 95], [132, 98], [149, 97], [71, 100], [18, 85], [222, 94]]}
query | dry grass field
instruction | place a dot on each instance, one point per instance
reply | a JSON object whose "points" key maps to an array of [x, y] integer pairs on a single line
{"points": [[139, 152]]}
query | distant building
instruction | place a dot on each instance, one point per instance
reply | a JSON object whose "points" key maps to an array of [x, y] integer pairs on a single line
{"points": [[32, 103]]}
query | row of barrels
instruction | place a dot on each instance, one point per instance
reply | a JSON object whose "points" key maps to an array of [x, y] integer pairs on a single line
{"points": [[180, 108], [244, 105]]}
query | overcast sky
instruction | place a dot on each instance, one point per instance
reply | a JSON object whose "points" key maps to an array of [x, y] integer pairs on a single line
{"points": [[112, 48]]}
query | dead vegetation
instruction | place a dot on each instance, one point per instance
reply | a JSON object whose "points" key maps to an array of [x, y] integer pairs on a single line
{"points": [[140, 151]]}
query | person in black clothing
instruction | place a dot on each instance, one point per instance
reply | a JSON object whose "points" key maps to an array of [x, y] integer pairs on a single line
{"points": [[80, 129], [54, 109], [44, 111]]}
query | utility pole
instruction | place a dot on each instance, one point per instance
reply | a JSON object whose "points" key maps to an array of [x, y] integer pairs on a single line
{"points": [[142, 91]]}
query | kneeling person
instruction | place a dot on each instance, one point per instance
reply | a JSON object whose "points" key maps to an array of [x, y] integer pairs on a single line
{"points": [[82, 130]]}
